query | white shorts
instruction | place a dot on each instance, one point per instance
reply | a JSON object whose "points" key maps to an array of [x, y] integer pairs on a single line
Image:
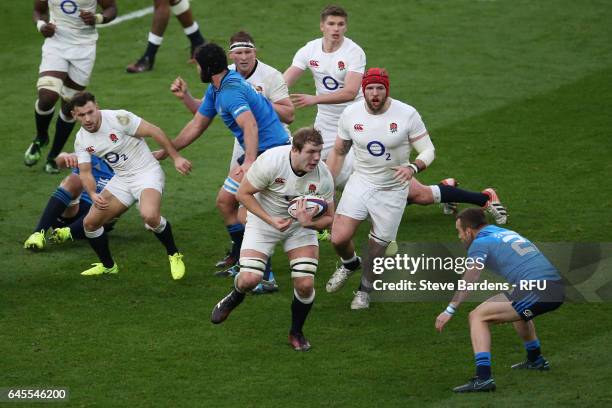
{"points": [[385, 208], [262, 237], [127, 189], [76, 60], [236, 153]]}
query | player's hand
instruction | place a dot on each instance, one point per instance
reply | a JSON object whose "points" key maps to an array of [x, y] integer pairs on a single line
{"points": [[246, 165], [403, 174], [88, 17], [302, 100], [441, 321], [281, 224], [48, 30], [303, 214], [179, 88], [71, 161], [99, 202], [182, 165], [160, 154]]}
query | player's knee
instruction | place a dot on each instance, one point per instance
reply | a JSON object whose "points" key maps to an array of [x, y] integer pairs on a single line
{"points": [[303, 268], [72, 184], [474, 316], [151, 219], [178, 7], [339, 238], [305, 295], [226, 202], [90, 224], [304, 288], [49, 90], [246, 281]]}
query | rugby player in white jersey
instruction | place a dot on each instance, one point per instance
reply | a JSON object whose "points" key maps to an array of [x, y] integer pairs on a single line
{"points": [[382, 132], [337, 64], [277, 177], [68, 56], [269, 82], [117, 137]]}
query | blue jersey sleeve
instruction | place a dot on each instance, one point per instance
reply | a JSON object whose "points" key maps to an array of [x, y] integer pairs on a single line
{"points": [[207, 107], [479, 250], [235, 100]]}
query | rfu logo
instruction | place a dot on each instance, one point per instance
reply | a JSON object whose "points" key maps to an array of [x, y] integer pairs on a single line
{"points": [[341, 65], [314, 63], [358, 127], [393, 127], [279, 180], [312, 188], [113, 137], [90, 149]]}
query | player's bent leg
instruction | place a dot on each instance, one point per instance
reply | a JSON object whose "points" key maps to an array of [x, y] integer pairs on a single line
{"points": [[228, 207], [150, 205], [93, 224], [304, 262], [497, 309], [49, 86], [161, 16], [182, 11], [252, 266], [535, 360], [419, 194], [376, 249]]}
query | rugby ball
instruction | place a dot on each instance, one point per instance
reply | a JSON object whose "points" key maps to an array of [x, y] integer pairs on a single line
{"points": [[311, 202]]}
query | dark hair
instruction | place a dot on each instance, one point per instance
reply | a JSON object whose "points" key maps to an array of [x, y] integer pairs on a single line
{"points": [[241, 36], [306, 135], [333, 10], [212, 60], [81, 99], [473, 218]]}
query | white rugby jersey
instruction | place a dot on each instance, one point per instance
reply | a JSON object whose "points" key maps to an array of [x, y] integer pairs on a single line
{"points": [[329, 70], [70, 28], [115, 142], [272, 174], [381, 141]]}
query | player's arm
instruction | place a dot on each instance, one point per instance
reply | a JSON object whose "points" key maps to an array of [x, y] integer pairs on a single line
{"points": [[470, 276], [145, 129], [285, 110], [40, 15], [426, 155], [304, 216], [66, 160], [352, 83], [336, 157], [192, 131], [292, 74], [248, 124], [181, 91], [89, 185], [109, 12], [246, 196]]}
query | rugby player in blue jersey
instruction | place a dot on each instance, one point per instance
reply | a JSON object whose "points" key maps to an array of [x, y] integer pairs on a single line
{"points": [[68, 204], [538, 289], [246, 113]]}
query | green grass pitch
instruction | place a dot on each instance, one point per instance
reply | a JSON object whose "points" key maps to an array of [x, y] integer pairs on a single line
{"points": [[516, 95]]}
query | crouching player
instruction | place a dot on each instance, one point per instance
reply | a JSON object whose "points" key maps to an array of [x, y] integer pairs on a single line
{"points": [[117, 136], [519, 261], [278, 176], [69, 203]]}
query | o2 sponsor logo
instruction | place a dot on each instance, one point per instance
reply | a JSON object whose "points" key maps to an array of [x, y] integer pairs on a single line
{"points": [[69, 6], [377, 149], [113, 157], [330, 83]]}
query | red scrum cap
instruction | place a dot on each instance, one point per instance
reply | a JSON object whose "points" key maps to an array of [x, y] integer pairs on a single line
{"points": [[375, 76]]}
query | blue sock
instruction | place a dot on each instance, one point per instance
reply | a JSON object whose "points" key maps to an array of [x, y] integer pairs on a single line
{"points": [[534, 353], [236, 233], [56, 205], [483, 365], [268, 275]]}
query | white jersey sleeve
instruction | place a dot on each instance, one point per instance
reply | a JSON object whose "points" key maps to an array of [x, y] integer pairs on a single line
{"points": [[80, 149], [356, 60], [275, 87], [128, 121], [260, 172], [416, 126], [300, 59], [343, 131]]}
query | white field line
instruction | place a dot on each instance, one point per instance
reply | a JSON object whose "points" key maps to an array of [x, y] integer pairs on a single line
{"points": [[128, 16]]}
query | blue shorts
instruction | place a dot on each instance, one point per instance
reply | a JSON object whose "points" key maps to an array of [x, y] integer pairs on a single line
{"points": [[531, 303]]}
